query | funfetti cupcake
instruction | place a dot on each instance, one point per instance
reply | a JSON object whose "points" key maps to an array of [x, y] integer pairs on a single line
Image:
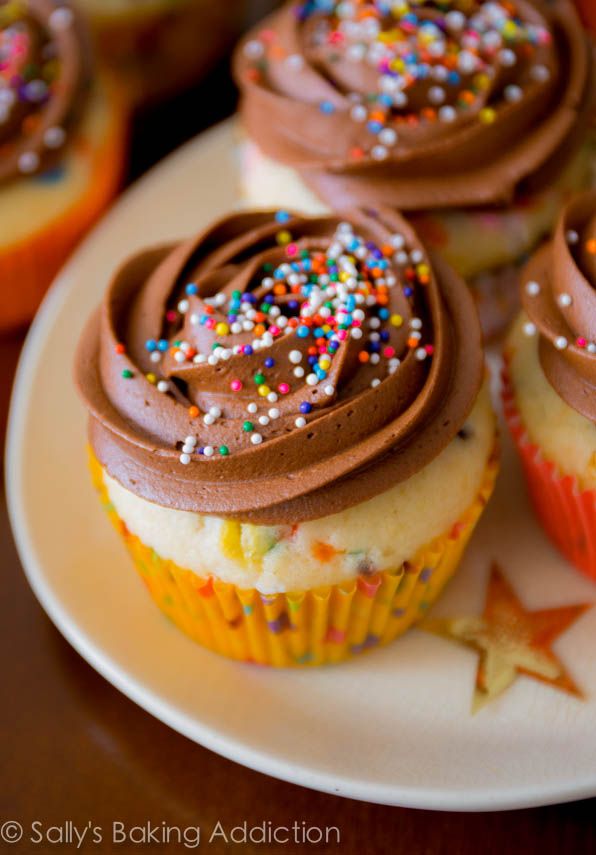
{"points": [[471, 116], [550, 383], [289, 427], [157, 47], [62, 147]]}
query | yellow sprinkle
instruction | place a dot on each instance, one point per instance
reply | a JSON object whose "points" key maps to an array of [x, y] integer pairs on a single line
{"points": [[283, 238], [263, 391], [396, 320], [487, 115], [151, 378], [222, 329]]}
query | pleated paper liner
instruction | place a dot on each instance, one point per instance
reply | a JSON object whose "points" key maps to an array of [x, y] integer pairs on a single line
{"points": [[566, 512], [314, 627], [28, 267]]}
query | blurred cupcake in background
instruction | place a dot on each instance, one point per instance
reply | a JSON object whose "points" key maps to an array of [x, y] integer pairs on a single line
{"points": [[289, 427], [587, 11], [62, 148], [550, 383], [157, 47], [470, 116]]}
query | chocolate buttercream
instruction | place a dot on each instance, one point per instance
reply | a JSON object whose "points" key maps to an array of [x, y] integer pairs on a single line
{"points": [[43, 74], [559, 297], [418, 104], [279, 368]]}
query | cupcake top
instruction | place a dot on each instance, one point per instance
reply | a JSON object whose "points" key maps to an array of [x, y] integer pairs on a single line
{"points": [[418, 103], [42, 81], [559, 297], [279, 368]]}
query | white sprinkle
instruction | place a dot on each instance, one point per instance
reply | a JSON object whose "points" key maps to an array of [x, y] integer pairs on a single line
{"points": [[256, 438], [420, 354], [539, 73], [61, 19], [190, 440], [28, 162], [388, 136], [532, 288], [298, 372], [254, 49], [273, 413], [591, 348], [300, 422], [179, 356], [185, 459], [183, 306], [359, 113], [447, 114], [379, 152], [436, 94], [561, 342], [264, 420], [212, 360], [416, 323], [565, 300], [513, 93], [272, 397], [375, 358], [252, 408], [199, 359], [163, 386], [507, 58], [329, 390], [295, 357], [188, 449], [455, 20], [155, 356], [375, 382], [208, 419], [208, 451], [571, 236], [529, 328], [312, 379], [236, 328], [356, 332], [54, 137], [294, 61], [215, 412]]}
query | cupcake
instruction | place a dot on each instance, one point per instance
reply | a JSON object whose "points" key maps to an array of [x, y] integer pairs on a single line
{"points": [[470, 116], [62, 146], [290, 429], [159, 46], [550, 383]]}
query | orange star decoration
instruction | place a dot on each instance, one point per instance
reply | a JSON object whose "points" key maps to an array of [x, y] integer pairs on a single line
{"points": [[511, 641]]}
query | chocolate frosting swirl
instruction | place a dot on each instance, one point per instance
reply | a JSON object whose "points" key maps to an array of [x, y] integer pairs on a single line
{"points": [[305, 365], [410, 105], [43, 73], [559, 296]]}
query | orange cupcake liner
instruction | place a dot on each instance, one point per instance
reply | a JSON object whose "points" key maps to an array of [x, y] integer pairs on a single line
{"points": [[567, 513], [28, 267], [303, 628]]}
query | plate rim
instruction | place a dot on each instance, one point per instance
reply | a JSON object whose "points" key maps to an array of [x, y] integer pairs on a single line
{"points": [[258, 759]]}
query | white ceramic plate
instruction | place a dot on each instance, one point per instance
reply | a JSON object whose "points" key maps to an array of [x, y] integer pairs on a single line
{"points": [[393, 726]]}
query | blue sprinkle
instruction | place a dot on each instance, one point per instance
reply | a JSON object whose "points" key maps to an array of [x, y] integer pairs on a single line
{"points": [[191, 289], [151, 345], [162, 345], [305, 407], [375, 127], [282, 217], [326, 107], [269, 362], [302, 332]]}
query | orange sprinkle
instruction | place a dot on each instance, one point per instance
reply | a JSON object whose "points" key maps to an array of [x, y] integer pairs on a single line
{"points": [[324, 552], [120, 348], [591, 246], [193, 412], [363, 356]]}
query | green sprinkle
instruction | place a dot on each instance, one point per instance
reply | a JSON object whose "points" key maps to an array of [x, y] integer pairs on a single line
{"points": [[224, 450], [247, 427], [259, 378], [127, 373]]}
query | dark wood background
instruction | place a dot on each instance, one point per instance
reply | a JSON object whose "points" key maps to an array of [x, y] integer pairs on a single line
{"points": [[73, 748]]}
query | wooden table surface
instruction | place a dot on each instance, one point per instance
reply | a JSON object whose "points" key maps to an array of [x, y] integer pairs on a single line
{"points": [[75, 749]]}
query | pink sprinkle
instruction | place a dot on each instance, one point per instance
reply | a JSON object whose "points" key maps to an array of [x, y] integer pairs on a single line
{"points": [[581, 342], [429, 349], [274, 330], [389, 352], [291, 249], [342, 335], [210, 323], [283, 388], [171, 316], [236, 385]]}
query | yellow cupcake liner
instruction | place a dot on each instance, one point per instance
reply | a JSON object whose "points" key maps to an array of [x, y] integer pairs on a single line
{"points": [[313, 627]]}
